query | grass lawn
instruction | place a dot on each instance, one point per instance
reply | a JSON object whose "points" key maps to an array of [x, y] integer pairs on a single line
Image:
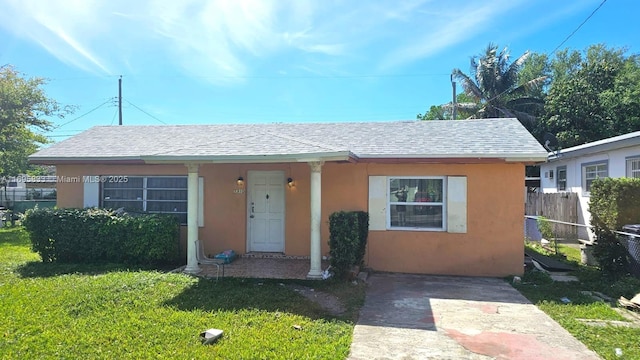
{"points": [[106, 312], [547, 295]]}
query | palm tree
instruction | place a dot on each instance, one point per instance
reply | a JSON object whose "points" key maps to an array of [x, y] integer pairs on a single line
{"points": [[494, 87]]}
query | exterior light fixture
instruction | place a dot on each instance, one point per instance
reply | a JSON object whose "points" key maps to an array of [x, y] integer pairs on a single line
{"points": [[240, 181], [290, 182]]}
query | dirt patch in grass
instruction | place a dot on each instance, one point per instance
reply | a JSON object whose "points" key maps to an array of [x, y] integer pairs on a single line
{"points": [[328, 302]]}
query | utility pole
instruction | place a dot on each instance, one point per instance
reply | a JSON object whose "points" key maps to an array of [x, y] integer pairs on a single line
{"points": [[454, 112], [120, 101]]}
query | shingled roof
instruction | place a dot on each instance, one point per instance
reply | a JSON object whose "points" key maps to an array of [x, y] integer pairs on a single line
{"points": [[478, 139]]}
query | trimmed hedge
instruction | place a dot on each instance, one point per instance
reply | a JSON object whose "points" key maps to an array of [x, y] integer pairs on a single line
{"points": [[99, 236], [613, 203], [347, 240]]}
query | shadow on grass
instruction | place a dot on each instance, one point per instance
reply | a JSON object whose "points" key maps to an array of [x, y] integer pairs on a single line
{"points": [[39, 269], [233, 294]]}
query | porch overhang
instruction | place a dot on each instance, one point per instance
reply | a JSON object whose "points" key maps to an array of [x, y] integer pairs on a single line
{"points": [[339, 156]]}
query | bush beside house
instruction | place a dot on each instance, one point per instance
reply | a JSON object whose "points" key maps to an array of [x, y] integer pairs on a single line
{"points": [[99, 235], [347, 240], [613, 204]]}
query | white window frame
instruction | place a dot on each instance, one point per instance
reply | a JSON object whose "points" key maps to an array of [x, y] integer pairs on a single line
{"points": [[144, 198], [558, 178], [442, 203], [631, 172], [598, 165]]}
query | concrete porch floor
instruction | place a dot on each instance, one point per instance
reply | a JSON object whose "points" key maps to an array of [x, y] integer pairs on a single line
{"points": [[275, 267]]}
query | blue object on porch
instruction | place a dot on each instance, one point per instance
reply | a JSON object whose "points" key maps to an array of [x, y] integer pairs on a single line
{"points": [[227, 256]]}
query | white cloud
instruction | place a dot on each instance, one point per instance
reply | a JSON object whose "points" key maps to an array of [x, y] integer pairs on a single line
{"points": [[444, 27], [225, 41]]}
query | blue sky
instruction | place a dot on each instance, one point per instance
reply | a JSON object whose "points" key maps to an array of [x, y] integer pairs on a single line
{"points": [[228, 61]]}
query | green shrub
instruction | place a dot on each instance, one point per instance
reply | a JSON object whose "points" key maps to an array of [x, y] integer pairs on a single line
{"points": [[613, 203], [347, 240], [99, 235], [611, 255], [544, 225]]}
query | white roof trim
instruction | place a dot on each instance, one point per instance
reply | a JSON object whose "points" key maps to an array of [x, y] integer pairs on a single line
{"points": [[507, 156], [221, 159]]}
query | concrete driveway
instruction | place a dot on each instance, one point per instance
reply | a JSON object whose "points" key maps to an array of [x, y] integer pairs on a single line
{"points": [[440, 317]]}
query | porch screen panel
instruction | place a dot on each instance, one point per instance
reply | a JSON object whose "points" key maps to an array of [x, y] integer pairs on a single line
{"points": [[125, 194], [157, 194]]}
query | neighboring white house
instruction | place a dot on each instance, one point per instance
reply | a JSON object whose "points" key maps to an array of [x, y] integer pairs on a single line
{"points": [[574, 169]]}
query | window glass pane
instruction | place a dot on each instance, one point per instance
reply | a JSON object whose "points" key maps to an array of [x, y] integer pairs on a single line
{"points": [[633, 168], [416, 216], [163, 194], [131, 183], [166, 206], [416, 203], [416, 190], [121, 194], [167, 195], [562, 178], [167, 183], [127, 205], [592, 172]]}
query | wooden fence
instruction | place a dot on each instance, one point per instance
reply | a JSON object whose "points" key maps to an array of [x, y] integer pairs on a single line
{"points": [[556, 206]]}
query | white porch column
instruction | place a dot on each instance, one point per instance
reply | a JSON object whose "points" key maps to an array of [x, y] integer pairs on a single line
{"points": [[192, 219], [315, 272]]}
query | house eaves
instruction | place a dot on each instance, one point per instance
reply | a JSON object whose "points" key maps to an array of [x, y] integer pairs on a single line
{"points": [[235, 159], [595, 147]]}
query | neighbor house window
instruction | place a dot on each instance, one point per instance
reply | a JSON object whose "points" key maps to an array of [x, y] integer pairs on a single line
{"points": [[633, 167], [416, 202], [561, 178], [593, 171], [152, 194]]}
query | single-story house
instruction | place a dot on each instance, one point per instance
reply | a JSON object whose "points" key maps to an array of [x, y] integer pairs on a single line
{"points": [[444, 197], [574, 169]]}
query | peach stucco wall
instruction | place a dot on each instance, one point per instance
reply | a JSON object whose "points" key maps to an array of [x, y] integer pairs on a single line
{"points": [[492, 246]]}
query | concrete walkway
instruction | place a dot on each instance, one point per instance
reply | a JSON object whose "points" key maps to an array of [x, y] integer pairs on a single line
{"points": [[439, 317]]}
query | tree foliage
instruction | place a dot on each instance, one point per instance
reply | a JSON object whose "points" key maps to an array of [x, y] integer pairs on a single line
{"points": [[464, 105], [24, 109], [497, 88], [592, 95]]}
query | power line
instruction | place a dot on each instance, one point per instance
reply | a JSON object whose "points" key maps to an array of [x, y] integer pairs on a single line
{"points": [[114, 117], [151, 116], [579, 26], [85, 114]]}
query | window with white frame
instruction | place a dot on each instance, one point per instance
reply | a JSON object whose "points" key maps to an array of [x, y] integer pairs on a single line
{"points": [[561, 178], [152, 194], [633, 167], [593, 171], [416, 202]]}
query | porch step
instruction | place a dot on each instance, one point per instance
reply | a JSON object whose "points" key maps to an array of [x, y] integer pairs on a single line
{"points": [[272, 255]]}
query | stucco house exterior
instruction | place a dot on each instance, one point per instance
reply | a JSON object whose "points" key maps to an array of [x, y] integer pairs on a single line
{"points": [[574, 169], [444, 197]]}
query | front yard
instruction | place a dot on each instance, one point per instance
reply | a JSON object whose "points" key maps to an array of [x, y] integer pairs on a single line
{"points": [[599, 324], [79, 311]]}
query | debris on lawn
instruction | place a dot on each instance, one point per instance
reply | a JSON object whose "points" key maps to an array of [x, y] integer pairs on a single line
{"points": [[326, 273], [565, 300], [210, 336], [618, 352], [517, 279], [297, 327], [634, 303]]}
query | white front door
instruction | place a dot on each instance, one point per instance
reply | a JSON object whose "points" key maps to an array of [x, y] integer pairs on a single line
{"points": [[265, 211]]}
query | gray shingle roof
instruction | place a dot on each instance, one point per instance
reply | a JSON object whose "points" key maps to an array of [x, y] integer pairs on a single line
{"points": [[487, 138]]}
